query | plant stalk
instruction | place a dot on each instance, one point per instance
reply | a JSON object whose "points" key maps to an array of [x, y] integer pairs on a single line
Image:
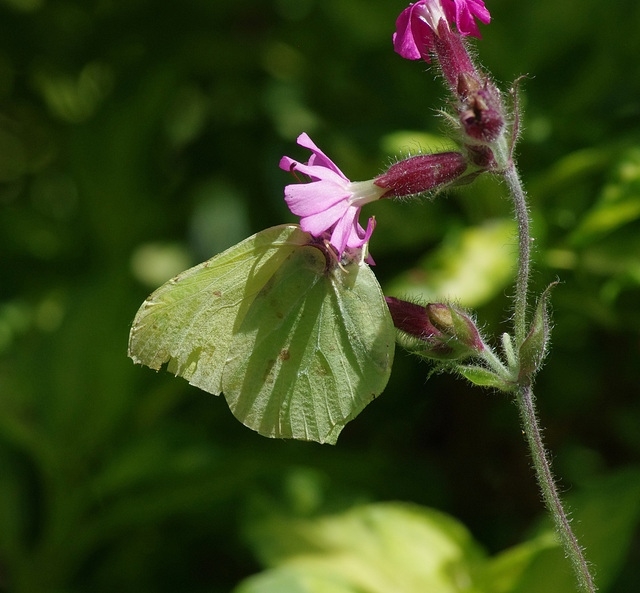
{"points": [[550, 492], [524, 253], [524, 394]]}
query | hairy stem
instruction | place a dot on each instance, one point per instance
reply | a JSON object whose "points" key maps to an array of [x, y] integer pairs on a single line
{"points": [[524, 241], [549, 491], [524, 394], [494, 363]]}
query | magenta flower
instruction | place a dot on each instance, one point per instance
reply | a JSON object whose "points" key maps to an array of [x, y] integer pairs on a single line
{"points": [[419, 22], [330, 203]]}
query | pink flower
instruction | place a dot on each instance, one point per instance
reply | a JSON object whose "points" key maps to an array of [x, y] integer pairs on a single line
{"points": [[330, 202], [418, 23]]}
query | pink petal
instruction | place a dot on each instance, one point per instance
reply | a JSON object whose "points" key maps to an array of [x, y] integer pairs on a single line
{"points": [[348, 233], [465, 11], [318, 158], [305, 199], [450, 9], [287, 163], [480, 11], [403, 41], [364, 236], [414, 37], [318, 173], [318, 223], [467, 25], [344, 229]]}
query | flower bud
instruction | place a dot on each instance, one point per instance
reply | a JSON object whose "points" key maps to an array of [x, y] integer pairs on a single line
{"points": [[422, 173], [411, 318], [452, 55], [455, 324], [536, 344], [482, 117], [439, 331], [481, 110], [481, 156]]}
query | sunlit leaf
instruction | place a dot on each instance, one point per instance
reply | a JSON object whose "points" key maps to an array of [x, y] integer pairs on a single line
{"points": [[473, 265], [503, 572], [415, 142], [375, 548], [298, 344]]}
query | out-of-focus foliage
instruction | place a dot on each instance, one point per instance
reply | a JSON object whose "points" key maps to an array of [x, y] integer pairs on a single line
{"points": [[137, 138], [396, 547], [377, 547]]}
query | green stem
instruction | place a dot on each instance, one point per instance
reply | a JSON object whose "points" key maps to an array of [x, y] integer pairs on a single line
{"points": [[549, 491], [525, 393], [524, 252], [495, 364]]}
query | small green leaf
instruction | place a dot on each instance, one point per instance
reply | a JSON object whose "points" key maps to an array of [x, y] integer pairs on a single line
{"points": [[483, 377], [299, 347], [534, 348]]}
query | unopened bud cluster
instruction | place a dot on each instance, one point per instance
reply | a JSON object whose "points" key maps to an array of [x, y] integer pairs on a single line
{"points": [[479, 106]]}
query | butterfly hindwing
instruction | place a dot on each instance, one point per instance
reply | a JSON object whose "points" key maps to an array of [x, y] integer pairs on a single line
{"points": [[298, 344]]}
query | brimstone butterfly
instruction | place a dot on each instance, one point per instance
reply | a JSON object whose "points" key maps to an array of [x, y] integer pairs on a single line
{"points": [[298, 343]]}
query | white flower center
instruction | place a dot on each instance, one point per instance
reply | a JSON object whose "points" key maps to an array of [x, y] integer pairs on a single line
{"points": [[363, 192]]}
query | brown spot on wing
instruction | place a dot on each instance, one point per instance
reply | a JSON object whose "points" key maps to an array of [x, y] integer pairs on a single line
{"points": [[284, 355]]}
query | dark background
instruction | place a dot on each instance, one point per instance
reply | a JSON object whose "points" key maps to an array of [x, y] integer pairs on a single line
{"points": [[138, 138]]}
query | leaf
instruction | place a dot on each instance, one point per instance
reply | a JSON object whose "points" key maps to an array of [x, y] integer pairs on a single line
{"points": [[504, 572], [534, 347], [483, 377], [374, 548], [293, 579], [298, 347], [618, 205], [403, 548], [474, 264]]}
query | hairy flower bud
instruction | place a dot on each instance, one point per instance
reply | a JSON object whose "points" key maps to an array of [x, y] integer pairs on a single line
{"points": [[453, 56], [481, 114], [411, 318], [480, 108], [422, 173], [536, 344], [439, 331], [456, 324], [481, 156]]}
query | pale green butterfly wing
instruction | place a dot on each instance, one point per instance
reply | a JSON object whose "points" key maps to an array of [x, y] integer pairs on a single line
{"points": [[189, 321], [298, 344], [320, 344]]}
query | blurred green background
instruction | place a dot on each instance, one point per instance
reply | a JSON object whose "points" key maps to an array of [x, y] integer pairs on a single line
{"points": [[138, 138]]}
